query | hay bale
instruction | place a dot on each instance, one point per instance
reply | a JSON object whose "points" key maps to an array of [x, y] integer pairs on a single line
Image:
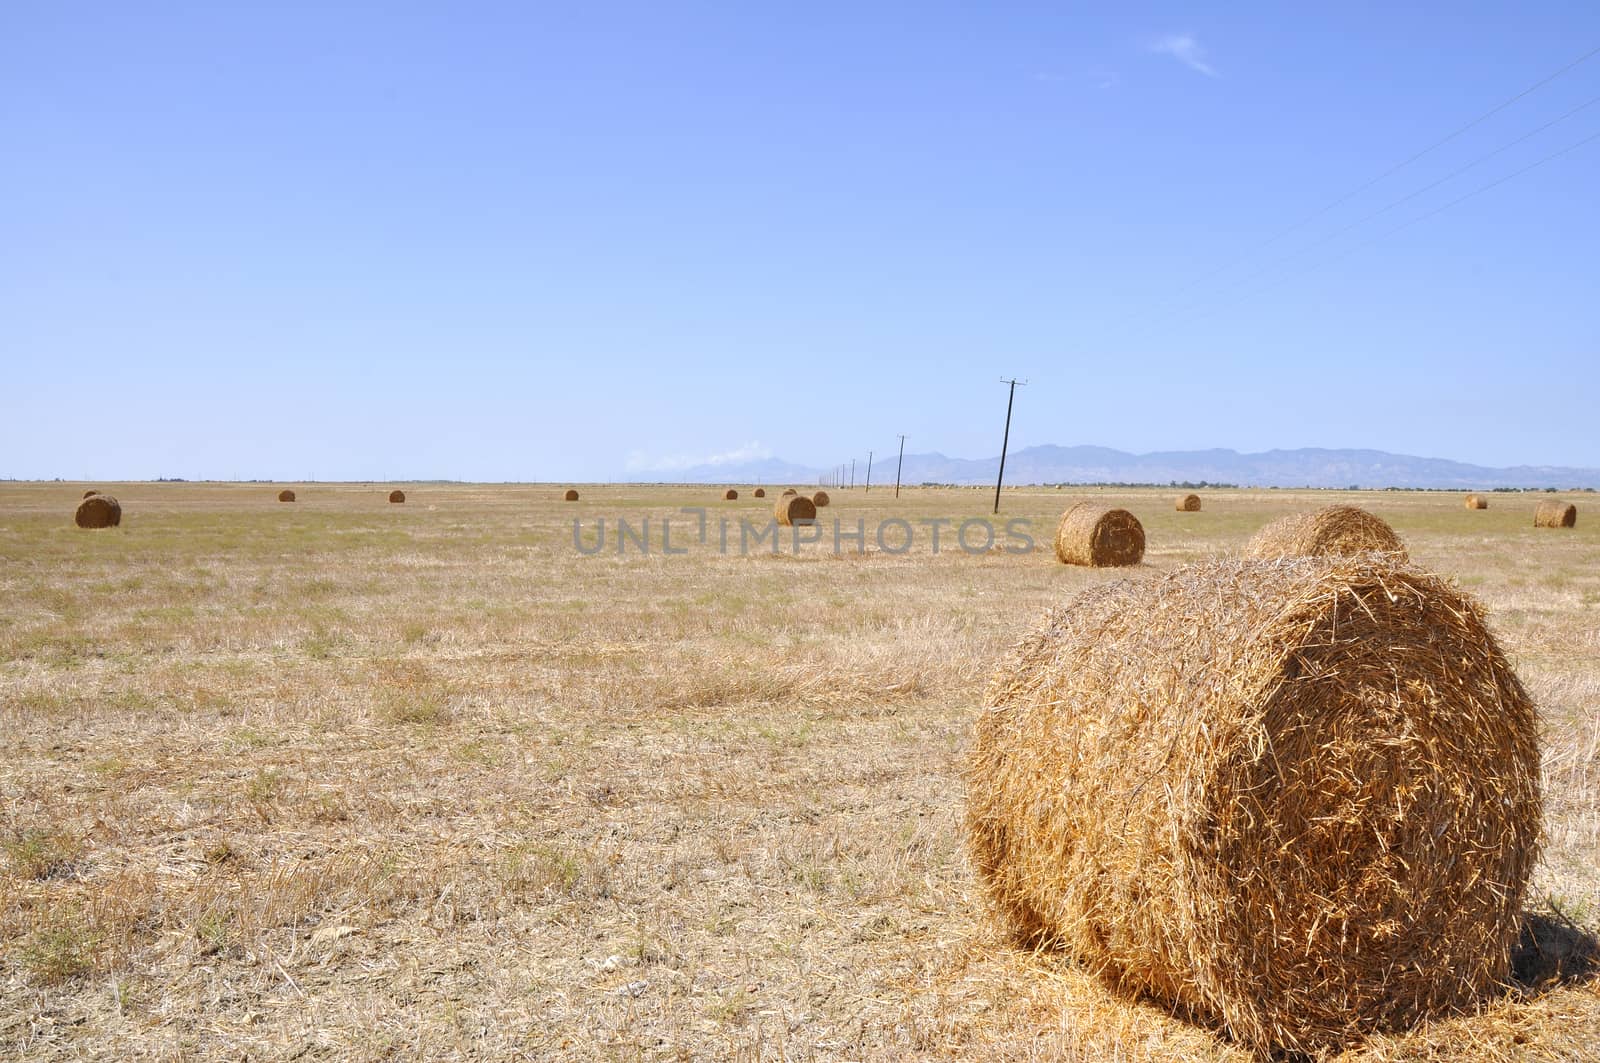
{"points": [[1331, 531], [571, 495], [1091, 534], [789, 493], [794, 508], [98, 511], [90, 493], [397, 496], [1189, 504], [286, 495], [1299, 798], [731, 495], [761, 492], [820, 499], [1477, 502], [1554, 514]]}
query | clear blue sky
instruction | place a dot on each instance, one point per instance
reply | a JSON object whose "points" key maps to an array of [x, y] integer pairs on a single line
{"points": [[525, 241]]}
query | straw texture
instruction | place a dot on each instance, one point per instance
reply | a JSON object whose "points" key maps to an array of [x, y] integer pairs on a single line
{"points": [[1090, 534], [98, 511], [1296, 798], [791, 509], [1553, 514], [1331, 531]]}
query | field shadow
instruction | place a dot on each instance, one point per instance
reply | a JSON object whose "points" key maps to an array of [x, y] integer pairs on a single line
{"points": [[1551, 952]]}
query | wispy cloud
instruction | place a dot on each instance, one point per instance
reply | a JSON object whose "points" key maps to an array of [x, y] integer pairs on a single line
{"points": [[1099, 77], [640, 461], [1185, 49]]}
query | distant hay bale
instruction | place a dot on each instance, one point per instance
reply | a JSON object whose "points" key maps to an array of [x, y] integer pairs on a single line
{"points": [[761, 492], [571, 495], [820, 499], [1298, 798], [90, 493], [1477, 502], [1189, 504], [1091, 534], [789, 493], [794, 508], [730, 495], [98, 511], [1333, 530], [287, 495], [397, 496], [1553, 514]]}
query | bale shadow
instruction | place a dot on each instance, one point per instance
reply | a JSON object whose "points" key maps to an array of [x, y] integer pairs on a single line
{"points": [[1551, 952]]}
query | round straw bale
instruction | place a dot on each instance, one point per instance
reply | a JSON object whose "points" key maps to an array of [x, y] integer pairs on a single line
{"points": [[397, 496], [761, 492], [286, 495], [1299, 798], [789, 492], [820, 499], [1554, 514], [792, 509], [730, 495], [1477, 502], [98, 511], [1341, 530], [571, 495], [1090, 534], [90, 493], [1188, 503]]}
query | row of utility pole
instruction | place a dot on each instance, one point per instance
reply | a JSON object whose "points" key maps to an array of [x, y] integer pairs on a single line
{"points": [[840, 479]]}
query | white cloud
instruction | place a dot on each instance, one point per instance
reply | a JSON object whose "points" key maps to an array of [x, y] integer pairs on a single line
{"points": [[639, 461], [1185, 49]]}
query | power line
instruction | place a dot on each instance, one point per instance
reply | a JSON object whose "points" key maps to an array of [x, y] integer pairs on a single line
{"points": [[1386, 208], [1392, 170], [1347, 252]]}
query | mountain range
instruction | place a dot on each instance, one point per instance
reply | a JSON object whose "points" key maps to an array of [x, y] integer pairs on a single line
{"points": [[1305, 467]]}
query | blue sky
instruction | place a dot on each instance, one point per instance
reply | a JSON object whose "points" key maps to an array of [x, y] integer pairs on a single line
{"points": [[574, 242]]}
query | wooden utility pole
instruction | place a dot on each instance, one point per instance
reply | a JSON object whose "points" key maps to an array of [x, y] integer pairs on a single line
{"points": [[1005, 440], [869, 473], [852, 473], [897, 465]]}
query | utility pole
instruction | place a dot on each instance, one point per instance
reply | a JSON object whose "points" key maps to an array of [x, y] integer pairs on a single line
{"points": [[898, 463], [1005, 440], [869, 472], [852, 473]]}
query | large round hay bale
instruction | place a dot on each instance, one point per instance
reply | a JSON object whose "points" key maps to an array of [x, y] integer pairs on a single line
{"points": [[1299, 798], [1553, 514], [397, 496], [287, 495], [1477, 502], [1333, 530], [820, 499], [1189, 503], [98, 511], [761, 492], [792, 509], [90, 493], [1091, 534], [730, 495], [571, 495]]}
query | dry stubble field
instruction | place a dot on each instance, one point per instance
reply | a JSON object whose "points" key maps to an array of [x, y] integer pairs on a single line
{"points": [[344, 779]]}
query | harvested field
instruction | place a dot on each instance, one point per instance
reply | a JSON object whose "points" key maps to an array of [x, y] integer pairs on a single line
{"points": [[345, 780]]}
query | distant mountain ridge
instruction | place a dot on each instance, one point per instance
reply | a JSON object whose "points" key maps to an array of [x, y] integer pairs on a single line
{"points": [[1049, 464]]}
